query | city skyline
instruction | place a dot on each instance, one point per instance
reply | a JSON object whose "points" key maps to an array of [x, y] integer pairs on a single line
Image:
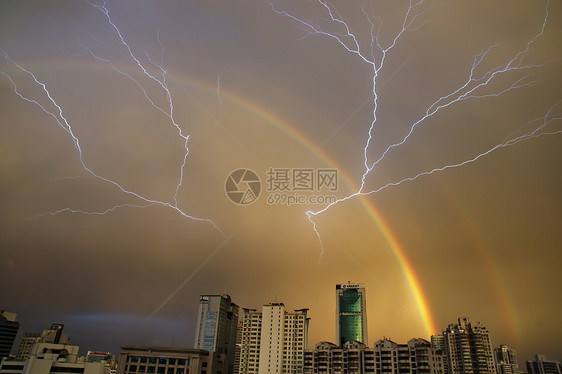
{"points": [[438, 339], [118, 212]]}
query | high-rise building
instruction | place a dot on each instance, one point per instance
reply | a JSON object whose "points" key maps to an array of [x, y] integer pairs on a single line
{"points": [[217, 326], [250, 342], [540, 365], [273, 340], [8, 330], [468, 348], [238, 350], [438, 343], [351, 313], [506, 360]]}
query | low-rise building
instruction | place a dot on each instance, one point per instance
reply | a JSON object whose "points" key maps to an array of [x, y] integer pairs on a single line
{"points": [[55, 335], [160, 360], [540, 365], [50, 358], [386, 357]]}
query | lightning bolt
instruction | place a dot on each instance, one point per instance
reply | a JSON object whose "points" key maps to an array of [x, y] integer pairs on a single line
{"points": [[55, 110], [476, 86]]}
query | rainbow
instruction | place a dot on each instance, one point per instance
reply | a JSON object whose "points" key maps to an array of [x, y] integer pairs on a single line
{"points": [[491, 265], [391, 239], [273, 119]]}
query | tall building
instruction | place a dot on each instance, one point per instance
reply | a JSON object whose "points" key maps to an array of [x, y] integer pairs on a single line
{"points": [[250, 342], [351, 313], [540, 365], [506, 360], [238, 350], [217, 326], [438, 343], [273, 340], [468, 348], [8, 330]]}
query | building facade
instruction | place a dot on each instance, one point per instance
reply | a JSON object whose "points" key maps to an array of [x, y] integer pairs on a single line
{"points": [[386, 357], [217, 326], [351, 313], [159, 360], [506, 360], [468, 348], [273, 340], [8, 330]]}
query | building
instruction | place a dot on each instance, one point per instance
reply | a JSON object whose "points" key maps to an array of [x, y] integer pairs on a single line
{"points": [[8, 330], [351, 313], [250, 342], [217, 326], [273, 340], [424, 358], [158, 360], [54, 335], [238, 349], [506, 360], [540, 365], [50, 358], [391, 358], [468, 348], [386, 357], [438, 343], [26, 344]]}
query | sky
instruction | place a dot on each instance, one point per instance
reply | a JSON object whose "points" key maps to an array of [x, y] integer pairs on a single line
{"points": [[446, 116]]}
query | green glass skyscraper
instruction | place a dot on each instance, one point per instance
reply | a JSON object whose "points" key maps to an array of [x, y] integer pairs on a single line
{"points": [[351, 313]]}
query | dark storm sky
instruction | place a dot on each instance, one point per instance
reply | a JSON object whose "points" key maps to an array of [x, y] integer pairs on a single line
{"points": [[255, 89]]}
